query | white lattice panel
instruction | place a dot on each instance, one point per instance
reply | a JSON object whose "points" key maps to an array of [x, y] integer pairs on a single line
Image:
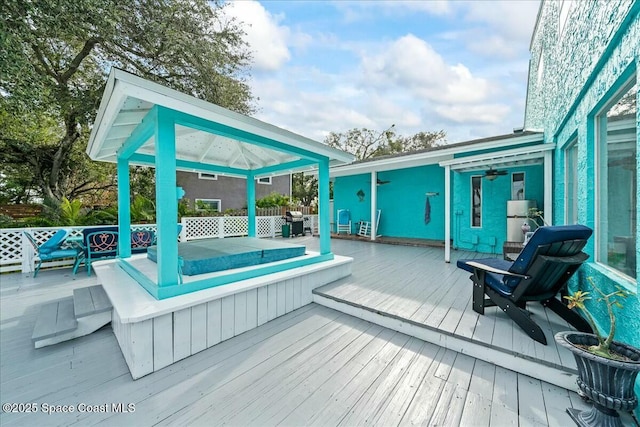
{"points": [[10, 246], [236, 225], [263, 228], [279, 221], [201, 228]]}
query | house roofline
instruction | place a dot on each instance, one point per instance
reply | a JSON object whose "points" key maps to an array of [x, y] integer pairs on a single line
{"points": [[434, 155]]}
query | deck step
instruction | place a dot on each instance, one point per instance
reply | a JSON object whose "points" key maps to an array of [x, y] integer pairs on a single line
{"points": [[85, 312], [55, 318], [560, 376], [90, 300]]}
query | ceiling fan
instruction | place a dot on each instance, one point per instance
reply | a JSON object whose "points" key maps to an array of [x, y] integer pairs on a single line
{"points": [[492, 173], [381, 182]]}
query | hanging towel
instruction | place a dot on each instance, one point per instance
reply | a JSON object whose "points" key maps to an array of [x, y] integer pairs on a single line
{"points": [[427, 211]]}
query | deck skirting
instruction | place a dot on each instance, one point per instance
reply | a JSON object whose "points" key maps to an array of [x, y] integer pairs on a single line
{"points": [[161, 333]]}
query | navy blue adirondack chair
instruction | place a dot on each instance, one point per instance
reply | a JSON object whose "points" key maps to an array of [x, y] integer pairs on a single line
{"points": [[541, 270], [54, 249]]}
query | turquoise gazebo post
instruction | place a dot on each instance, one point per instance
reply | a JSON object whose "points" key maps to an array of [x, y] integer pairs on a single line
{"points": [[124, 208], [323, 206], [166, 204], [251, 204]]}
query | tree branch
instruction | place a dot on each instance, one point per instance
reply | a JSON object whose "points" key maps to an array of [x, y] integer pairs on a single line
{"points": [[75, 64], [45, 65]]}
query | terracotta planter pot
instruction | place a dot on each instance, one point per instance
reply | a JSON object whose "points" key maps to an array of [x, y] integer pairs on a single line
{"points": [[608, 383]]}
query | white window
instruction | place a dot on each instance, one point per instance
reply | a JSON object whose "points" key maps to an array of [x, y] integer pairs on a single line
{"points": [[571, 183], [517, 186], [565, 10], [540, 72], [616, 201], [476, 201], [213, 205], [264, 180], [211, 176]]}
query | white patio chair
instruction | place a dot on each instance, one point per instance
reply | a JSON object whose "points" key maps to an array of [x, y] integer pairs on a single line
{"points": [[365, 226], [344, 221]]}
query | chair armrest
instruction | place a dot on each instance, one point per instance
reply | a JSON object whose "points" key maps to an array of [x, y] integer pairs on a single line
{"points": [[490, 269]]}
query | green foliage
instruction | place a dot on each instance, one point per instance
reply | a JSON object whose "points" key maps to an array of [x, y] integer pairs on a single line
{"points": [[611, 300], [71, 212], [142, 209], [142, 181], [183, 208], [273, 200], [54, 62], [305, 188], [366, 143]]}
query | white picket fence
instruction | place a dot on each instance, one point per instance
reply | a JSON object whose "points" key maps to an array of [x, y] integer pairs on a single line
{"points": [[16, 253]]}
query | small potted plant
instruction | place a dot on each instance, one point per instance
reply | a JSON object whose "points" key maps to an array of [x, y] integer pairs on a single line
{"points": [[607, 369]]}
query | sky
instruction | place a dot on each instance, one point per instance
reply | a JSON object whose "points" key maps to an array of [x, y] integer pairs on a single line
{"points": [[331, 66]]}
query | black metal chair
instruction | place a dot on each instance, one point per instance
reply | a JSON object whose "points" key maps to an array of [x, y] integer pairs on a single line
{"points": [[541, 270]]}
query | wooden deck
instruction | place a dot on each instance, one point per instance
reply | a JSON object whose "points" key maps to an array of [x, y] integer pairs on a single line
{"points": [[414, 286], [312, 366]]}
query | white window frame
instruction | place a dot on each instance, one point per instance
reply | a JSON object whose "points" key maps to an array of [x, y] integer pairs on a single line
{"points": [[208, 176], [208, 200], [601, 182], [566, 8], [268, 182], [524, 180], [471, 201]]}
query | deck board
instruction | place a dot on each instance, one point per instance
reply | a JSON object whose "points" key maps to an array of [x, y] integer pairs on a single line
{"points": [[313, 366], [415, 283]]}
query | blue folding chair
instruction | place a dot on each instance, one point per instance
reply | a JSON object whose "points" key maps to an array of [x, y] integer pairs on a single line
{"points": [[541, 270], [53, 249]]}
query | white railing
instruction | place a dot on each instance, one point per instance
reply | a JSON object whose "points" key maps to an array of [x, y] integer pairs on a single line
{"points": [[17, 254]]}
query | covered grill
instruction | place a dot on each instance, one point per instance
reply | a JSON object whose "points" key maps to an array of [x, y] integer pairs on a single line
{"points": [[296, 220]]}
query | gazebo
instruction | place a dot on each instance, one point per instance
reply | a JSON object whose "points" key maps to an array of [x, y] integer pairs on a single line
{"points": [[144, 123]]}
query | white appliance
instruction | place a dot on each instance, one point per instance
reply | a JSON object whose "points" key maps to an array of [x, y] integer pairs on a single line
{"points": [[517, 211]]}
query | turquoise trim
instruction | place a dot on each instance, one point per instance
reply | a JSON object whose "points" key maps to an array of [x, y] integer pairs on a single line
{"points": [[148, 159], [621, 81], [323, 206], [204, 125], [251, 205], [124, 208], [166, 204], [140, 134], [604, 58], [147, 284], [173, 291], [283, 167]]}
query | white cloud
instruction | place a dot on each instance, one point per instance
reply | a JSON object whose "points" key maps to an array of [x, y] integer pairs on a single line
{"points": [[468, 80], [412, 64], [512, 20], [266, 37], [484, 113]]}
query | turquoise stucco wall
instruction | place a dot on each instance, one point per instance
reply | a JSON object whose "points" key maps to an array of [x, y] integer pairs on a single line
{"points": [[493, 232], [402, 201], [598, 50]]}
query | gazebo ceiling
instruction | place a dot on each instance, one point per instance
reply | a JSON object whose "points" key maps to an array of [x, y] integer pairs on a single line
{"points": [[211, 136]]}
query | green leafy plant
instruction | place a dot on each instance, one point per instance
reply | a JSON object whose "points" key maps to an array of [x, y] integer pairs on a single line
{"points": [[273, 200], [536, 216], [71, 212], [142, 209], [611, 300]]}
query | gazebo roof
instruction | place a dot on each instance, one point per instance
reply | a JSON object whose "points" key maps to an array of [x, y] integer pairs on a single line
{"points": [[209, 138]]}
